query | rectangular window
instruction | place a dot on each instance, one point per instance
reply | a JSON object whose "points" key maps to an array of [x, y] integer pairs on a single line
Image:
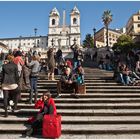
{"points": [[138, 25], [138, 17]]}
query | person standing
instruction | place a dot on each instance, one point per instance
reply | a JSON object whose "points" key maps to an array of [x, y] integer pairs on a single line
{"points": [[18, 61], [10, 82], [59, 56], [34, 65], [51, 64]]}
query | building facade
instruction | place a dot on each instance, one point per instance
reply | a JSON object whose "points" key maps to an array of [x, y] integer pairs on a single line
{"points": [[26, 43], [100, 37], [133, 27], [63, 36]]}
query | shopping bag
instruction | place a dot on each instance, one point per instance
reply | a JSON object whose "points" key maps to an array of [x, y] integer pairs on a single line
{"points": [[51, 126]]}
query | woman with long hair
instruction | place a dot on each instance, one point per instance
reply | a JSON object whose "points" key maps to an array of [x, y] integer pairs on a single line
{"points": [[47, 106]]}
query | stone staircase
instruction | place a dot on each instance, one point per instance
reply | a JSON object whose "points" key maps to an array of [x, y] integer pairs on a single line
{"points": [[108, 110]]}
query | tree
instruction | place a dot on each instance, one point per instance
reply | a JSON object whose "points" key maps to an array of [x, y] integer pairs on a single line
{"points": [[124, 44], [107, 18], [88, 42]]}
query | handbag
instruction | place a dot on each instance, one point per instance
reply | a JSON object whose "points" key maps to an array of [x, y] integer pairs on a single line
{"points": [[1, 94], [51, 126]]}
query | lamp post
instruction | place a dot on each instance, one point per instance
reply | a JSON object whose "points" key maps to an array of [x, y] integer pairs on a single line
{"points": [[94, 31], [35, 30], [74, 41], [52, 42]]}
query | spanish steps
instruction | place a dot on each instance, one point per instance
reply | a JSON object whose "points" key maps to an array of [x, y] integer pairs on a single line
{"points": [[107, 110]]}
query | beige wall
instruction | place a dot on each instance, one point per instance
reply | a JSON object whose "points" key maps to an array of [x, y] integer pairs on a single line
{"points": [[133, 24], [100, 36]]}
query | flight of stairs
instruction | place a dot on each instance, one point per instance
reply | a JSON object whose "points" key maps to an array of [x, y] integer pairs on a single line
{"points": [[108, 110]]}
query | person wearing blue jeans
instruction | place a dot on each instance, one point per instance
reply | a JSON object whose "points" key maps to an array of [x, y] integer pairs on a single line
{"points": [[124, 75], [33, 88], [34, 64], [124, 79]]}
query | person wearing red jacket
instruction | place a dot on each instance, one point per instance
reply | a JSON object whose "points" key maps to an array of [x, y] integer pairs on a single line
{"points": [[46, 105]]}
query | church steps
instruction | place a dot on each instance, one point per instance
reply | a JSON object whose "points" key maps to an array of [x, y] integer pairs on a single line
{"points": [[90, 106], [100, 90], [80, 112], [82, 120], [78, 129], [107, 109], [86, 80], [77, 136], [98, 100], [94, 87], [72, 119]]}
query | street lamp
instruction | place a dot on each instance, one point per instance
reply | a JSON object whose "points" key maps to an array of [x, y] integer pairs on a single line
{"points": [[94, 31], [52, 42], [35, 30], [74, 41]]}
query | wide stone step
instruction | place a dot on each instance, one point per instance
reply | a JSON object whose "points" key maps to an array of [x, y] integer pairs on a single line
{"points": [[99, 90], [76, 136], [91, 95], [96, 100], [86, 80], [87, 84], [82, 120], [90, 106], [80, 112], [94, 87], [78, 129]]}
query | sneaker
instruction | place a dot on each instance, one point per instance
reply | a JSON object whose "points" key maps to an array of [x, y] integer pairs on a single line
{"points": [[11, 103]]}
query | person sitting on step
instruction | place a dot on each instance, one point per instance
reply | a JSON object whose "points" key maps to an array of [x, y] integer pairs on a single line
{"points": [[79, 75], [68, 82], [46, 105]]}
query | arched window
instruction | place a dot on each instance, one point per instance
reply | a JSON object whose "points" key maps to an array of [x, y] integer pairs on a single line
{"points": [[53, 21], [74, 21]]}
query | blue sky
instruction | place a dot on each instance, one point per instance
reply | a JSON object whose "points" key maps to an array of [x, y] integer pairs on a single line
{"points": [[20, 18]]}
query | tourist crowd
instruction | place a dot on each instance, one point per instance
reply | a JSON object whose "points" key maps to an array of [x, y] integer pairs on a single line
{"points": [[126, 68], [20, 71]]}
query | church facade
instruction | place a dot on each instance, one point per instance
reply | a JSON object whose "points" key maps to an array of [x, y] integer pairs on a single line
{"points": [[63, 36]]}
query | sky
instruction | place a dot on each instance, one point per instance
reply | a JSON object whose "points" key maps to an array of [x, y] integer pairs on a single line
{"points": [[19, 18]]}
